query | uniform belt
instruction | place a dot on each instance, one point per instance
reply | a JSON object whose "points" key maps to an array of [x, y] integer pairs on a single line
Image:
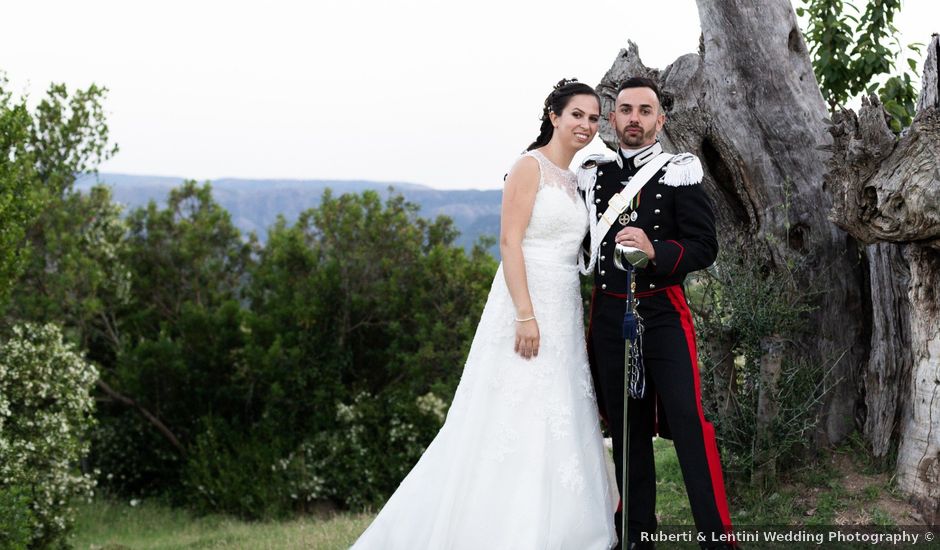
{"points": [[643, 294]]}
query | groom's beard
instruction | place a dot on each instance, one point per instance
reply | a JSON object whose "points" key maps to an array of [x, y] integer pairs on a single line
{"points": [[638, 139]]}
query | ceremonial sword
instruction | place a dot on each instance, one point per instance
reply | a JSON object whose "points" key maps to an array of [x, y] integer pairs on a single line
{"points": [[628, 259]]}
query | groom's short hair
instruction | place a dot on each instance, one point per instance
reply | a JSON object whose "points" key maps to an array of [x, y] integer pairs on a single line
{"points": [[641, 82]]}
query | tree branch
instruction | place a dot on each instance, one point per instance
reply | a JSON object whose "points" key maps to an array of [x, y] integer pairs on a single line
{"points": [[156, 422]]}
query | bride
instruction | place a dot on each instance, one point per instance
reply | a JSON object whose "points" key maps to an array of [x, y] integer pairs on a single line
{"points": [[519, 463]]}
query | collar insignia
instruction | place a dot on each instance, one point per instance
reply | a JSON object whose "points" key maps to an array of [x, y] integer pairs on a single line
{"points": [[647, 155]]}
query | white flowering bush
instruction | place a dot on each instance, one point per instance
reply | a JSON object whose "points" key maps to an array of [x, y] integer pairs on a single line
{"points": [[45, 410]]}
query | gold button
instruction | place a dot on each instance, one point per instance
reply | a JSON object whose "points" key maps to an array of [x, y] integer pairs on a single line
{"points": [[603, 287], [599, 173], [598, 187], [603, 258], [658, 196], [603, 273], [604, 243], [597, 201]]}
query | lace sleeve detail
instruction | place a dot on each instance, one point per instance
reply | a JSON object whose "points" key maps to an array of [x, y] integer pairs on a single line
{"points": [[538, 158], [551, 175]]}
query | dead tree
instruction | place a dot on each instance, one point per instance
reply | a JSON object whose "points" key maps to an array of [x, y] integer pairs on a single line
{"points": [[886, 192]]}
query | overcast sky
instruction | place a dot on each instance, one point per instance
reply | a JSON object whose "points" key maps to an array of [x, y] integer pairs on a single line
{"points": [[426, 91]]}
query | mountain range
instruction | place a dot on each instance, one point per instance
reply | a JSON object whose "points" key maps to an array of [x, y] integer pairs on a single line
{"points": [[254, 204]]}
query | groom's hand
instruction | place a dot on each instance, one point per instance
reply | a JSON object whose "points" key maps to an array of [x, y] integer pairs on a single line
{"points": [[636, 237]]}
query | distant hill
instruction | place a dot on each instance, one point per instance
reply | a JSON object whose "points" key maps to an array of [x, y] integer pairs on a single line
{"points": [[255, 204]]}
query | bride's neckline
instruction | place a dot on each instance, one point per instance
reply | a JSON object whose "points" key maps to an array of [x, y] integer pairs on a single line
{"points": [[544, 156]]}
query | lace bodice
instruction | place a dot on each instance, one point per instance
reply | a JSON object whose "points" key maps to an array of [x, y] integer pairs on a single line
{"points": [[559, 218]]}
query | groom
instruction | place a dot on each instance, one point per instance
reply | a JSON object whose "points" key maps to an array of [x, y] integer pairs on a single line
{"points": [[670, 219]]}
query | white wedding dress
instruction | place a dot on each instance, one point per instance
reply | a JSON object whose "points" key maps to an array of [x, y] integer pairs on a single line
{"points": [[519, 463]]}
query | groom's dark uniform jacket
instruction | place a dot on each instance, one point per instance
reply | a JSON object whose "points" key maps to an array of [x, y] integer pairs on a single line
{"points": [[676, 215], [677, 219]]}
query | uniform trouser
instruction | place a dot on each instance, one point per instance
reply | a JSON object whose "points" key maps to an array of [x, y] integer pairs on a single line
{"points": [[673, 387]]}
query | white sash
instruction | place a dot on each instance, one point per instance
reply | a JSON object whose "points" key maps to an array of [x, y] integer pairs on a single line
{"points": [[621, 201]]}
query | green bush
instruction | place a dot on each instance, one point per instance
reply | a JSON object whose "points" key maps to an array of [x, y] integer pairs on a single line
{"points": [[740, 303], [355, 464], [347, 331], [373, 445], [45, 411], [235, 473], [16, 518], [130, 456]]}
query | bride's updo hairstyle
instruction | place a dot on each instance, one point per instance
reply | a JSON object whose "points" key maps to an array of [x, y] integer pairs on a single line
{"points": [[556, 103]]}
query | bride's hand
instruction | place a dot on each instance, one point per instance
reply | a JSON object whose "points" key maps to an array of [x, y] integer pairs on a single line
{"points": [[527, 338]]}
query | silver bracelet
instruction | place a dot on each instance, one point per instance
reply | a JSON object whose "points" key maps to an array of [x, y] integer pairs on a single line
{"points": [[526, 319]]}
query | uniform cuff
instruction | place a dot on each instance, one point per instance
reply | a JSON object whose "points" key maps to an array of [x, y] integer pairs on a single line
{"points": [[668, 256]]}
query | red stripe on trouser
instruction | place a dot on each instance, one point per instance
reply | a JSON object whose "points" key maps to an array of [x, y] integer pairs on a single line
{"points": [[708, 431]]}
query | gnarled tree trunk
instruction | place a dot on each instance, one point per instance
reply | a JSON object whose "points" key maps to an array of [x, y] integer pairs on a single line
{"points": [[885, 380], [886, 190]]}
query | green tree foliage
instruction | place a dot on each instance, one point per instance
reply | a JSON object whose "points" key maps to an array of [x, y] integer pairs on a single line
{"points": [[178, 336], [69, 136], [280, 368], [850, 52], [20, 201], [75, 274], [387, 291], [189, 252], [71, 275], [363, 312]]}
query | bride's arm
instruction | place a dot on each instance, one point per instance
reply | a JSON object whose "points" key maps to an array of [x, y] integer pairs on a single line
{"points": [[518, 198]]}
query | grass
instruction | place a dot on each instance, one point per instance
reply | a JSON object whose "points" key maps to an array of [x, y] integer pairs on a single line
{"points": [[113, 525], [118, 526], [817, 496], [672, 502]]}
